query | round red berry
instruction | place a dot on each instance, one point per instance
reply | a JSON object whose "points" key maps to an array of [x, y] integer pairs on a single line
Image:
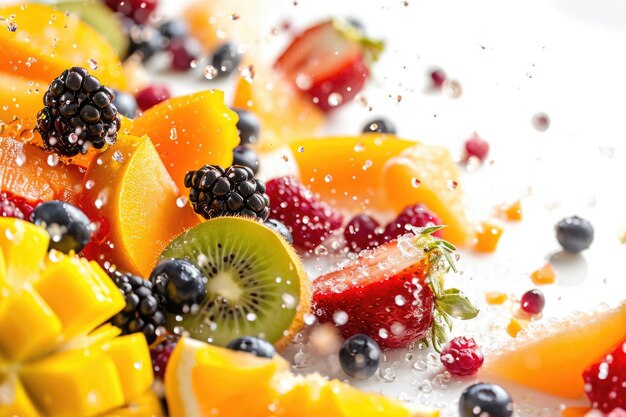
{"points": [[462, 356], [532, 302], [438, 78], [15, 206], [183, 51], [417, 215], [160, 355], [362, 233], [152, 95], [477, 147]]}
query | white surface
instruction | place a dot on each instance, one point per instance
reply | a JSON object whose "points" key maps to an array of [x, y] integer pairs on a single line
{"points": [[513, 59]]}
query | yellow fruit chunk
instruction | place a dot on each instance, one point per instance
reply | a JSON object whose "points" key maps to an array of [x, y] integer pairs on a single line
{"points": [[190, 131], [28, 326], [74, 383], [513, 212], [515, 326], [487, 237], [544, 275], [15, 401], [285, 113], [552, 359], [148, 405], [196, 368], [348, 171], [47, 42], [132, 359], [22, 245], [496, 298], [427, 174], [135, 196], [71, 286]]}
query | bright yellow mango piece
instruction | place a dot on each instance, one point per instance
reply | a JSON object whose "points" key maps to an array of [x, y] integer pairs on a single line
{"points": [[28, 325], [19, 404], [23, 244], [74, 383], [132, 359], [148, 405], [72, 286]]}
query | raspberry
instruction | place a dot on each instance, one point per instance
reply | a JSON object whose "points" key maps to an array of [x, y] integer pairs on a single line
{"points": [[417, 216], [605, 381], [438, 78], [14, 206], [160, 355], [138, 10], [477, 147], [152, 95], [361, 233], [462, 356], [309, 220]]}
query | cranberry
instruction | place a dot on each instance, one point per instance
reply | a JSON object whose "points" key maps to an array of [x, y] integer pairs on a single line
{"points": [[138, 10], [361, 233], [183, 51], [477, 147], [532, 302], [462, 356], [417, 215], [438, 77], [152, 95], [160, 355]]}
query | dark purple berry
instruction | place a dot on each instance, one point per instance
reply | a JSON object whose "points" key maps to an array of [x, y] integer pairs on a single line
{"points": [[360, 356]]}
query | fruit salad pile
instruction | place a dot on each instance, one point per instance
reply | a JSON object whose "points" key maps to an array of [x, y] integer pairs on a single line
{"points": [[153, 264]]}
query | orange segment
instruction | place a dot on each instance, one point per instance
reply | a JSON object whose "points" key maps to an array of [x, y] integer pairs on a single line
{"points": [[544, 275], [348, 171], [190, 131], [132, 191], [552, 359], [47, 42], [284, 112], [487, 237], [25, 171], [427, 174], [196, 368]]}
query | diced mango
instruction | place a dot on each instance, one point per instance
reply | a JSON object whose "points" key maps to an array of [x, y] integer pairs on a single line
{"points": [[147, 405], [544, 275], [23, 244], [515, 326], [132, 359], [81, 382], [496, 298], [19, 404], [488, 236]]}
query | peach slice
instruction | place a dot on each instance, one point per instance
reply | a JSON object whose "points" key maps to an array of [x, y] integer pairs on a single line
{"points": [[190, 131], [552, 359], [47, 41], [348, 171], [26, 171], [128, 188], [284, 112], [427, 174]]}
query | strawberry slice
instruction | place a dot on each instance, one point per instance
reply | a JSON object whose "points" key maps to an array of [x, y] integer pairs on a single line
{"points": [[394, 293], [329, 62]]}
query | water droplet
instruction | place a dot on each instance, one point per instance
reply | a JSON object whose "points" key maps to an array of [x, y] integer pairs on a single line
{"points": [[541, 122], [383, 333], [359, 147], [304, 81], [248, 73], [12, 26], [453, 89], [335, 99], [367, 165], [234, 16], [93, 64], [452, 184], [89, 184], [53, 160], [118, 157], [20, 159], [309, 319], [400, 300], [415, 183], [173, 134], [182, 201], [301, 149], [328, 178], [290, 301], [210, 72], [251, 317], [340, 317]]}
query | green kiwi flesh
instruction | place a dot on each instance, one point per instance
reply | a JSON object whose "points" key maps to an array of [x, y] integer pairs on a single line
{"points": [[253, 281]]}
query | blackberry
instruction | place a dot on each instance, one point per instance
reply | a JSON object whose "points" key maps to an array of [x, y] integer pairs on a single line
{"points": [[79, 113], [142, 313], [217, 192]]}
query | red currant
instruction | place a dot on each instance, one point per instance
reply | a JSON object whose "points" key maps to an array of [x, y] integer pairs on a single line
{"points": [[532, 302]]}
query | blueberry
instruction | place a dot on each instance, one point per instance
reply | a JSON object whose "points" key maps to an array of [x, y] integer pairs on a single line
{"points": [[244, 155], [126, 104], [258, 347], [179, 284], [226, 59], [487, 400], [174, 29], [379, 126], [359, 356], [145, 41], [574, 234], [248, 126], [69, 228], [280, 228]]}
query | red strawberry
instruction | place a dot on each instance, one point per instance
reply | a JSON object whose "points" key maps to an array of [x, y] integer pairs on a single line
{"points": [[393, 293], [605, 381], [309, 220], [329, 61], [15, 206]]}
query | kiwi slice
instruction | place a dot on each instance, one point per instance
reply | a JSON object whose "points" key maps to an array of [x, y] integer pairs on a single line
{"points": [[255, 282]]}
